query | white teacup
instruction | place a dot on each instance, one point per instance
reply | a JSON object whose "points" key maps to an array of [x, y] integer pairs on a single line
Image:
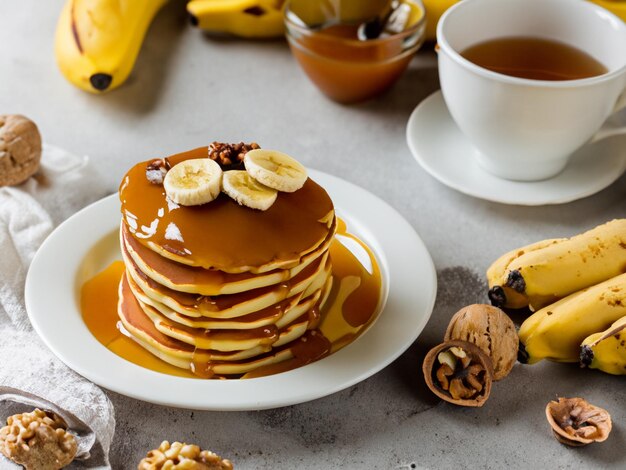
{"points": [[527, 129]]}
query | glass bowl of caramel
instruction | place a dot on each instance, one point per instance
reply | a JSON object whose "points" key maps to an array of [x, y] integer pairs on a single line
{"points": [[353, 50]]}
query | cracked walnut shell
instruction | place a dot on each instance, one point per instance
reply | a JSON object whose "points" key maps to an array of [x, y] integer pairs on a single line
{"points": [[491, 330], [38, 440], [180, 456], [20, 149], [575, 422], [458, 372]]}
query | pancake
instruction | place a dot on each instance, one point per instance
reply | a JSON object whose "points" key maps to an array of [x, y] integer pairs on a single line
{"points": [[266, 316], [219, 288], [201, 281], [222, 235], [226, 306], [262, 316], [204, 362]]}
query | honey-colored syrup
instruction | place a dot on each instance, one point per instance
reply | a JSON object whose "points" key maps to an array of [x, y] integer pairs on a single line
{"points": [[223, 234], [98, 304], [352, 306]]}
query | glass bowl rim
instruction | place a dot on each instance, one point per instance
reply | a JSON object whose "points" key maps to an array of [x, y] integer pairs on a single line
{"points": [[305, 31]]}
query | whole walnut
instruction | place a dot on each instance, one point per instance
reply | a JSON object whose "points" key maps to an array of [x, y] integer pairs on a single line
{"points": [[20, 149], [491, 330]]}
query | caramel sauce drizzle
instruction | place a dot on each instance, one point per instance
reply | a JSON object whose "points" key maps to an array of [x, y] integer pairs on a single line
{"points": [[293, 226], [351, 307]]}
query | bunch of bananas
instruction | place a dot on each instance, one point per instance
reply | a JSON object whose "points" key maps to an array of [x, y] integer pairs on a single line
{"points": [[97, 41], [243, 18], [577, 290]]}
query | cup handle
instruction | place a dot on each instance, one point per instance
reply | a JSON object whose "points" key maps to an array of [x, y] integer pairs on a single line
{"points": [[608, 129]]}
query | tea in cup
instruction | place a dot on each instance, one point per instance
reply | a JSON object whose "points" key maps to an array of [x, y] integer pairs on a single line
{"points": [[530, 81]]}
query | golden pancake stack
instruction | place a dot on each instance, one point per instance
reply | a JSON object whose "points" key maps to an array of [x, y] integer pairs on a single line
{"points": [[221, 289]]}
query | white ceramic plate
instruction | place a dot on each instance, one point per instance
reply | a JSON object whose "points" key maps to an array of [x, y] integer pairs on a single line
{"points": [[85, 244], [442, 150]]}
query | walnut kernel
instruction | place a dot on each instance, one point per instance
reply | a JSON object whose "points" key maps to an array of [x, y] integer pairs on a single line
{"points": [[458, 372], [230, 156], [38, 440], [575, 422], [180, 456]]}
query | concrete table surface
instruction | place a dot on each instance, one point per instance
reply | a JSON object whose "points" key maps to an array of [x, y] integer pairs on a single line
{"points": [[187, 90]]}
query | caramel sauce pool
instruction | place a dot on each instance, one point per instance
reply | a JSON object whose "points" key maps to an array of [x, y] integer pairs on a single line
{"points": [[352, 306]]}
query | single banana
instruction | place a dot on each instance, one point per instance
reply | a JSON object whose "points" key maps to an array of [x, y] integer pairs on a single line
{"points": [[193, 182], [503, 296], [244, 189], [434, 10], [556, 332], [606, 350], [244, 18], [97, 41], [552, 272], [617, 7], [275, 169]]}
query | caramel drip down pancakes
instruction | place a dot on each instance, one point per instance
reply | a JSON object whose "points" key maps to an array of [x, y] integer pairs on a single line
{"points": [[221, 289]]}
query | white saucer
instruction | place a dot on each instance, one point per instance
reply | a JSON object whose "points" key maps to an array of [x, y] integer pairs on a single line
{"points": [[443, 151]]}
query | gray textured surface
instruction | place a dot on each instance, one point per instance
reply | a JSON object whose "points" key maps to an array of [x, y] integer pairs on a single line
{"points": [[187, 90]]}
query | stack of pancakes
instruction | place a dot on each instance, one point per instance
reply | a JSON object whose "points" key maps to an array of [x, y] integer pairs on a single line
{"points": [[221, 289]]}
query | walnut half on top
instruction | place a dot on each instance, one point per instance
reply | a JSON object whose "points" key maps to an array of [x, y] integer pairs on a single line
{"points": [[38, 440], [180, 456]]}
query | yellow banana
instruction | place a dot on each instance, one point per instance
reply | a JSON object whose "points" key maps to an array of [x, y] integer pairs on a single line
{"points": [[606, 350], [244, 18], [552, 272], [503, 296], [97, 41], [556, 332], [617, 7], [434, 10]]}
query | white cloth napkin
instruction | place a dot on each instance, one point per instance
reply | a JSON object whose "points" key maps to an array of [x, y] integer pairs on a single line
{"points": [[30, 375]]}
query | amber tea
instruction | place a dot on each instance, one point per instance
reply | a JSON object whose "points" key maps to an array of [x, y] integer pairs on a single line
{"points": [[534, 58]]}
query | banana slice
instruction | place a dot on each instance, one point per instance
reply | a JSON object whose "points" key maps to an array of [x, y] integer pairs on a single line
{"points": [[275, 169], [193, 182], [247, 191]]}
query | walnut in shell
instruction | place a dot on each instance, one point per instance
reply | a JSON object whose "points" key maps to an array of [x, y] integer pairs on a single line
{"points": [[180, 456], [575, 422], [491, 330], [459, 372], [38, 440], [20, 149]]}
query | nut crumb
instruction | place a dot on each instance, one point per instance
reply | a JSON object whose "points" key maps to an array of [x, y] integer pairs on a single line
{"points": [[230, 156], [156, 170], [181, 456], [38, 440]]}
